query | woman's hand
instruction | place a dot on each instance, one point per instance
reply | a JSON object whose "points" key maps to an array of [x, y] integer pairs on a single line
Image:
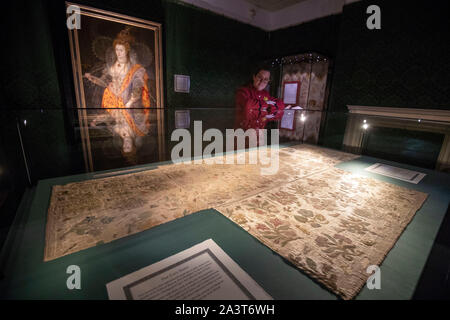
{"points": [[95, 80], [288, 107]]}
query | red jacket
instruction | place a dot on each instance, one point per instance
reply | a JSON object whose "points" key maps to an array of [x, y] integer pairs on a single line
{"points": [[252, 107]]}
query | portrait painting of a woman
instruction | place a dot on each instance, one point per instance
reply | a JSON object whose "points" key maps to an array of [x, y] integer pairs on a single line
{"points": [[126, 96], [120, 84]]}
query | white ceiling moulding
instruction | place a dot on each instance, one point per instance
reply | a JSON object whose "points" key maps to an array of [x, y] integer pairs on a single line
{"points": [[404, 113], [247, 12], [306, 11], [273, 5], [239, 10]]}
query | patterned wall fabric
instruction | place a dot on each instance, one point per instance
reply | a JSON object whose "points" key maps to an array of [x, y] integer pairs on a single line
{"points": [[216, 52], [32, 84], [405, 64], [148, 9], [319, 36], [30, 64]]}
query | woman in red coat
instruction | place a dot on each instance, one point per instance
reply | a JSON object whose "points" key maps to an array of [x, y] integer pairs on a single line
{"points": [[254, 106]]}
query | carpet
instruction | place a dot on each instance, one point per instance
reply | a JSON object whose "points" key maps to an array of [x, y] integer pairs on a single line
{"points": [[89, 213], [332, 225]]}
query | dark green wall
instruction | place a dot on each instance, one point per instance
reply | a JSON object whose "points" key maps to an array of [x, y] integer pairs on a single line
{"points": [[28, 84], [319, 36], [216, 52], [32, 84], [405, 64]]}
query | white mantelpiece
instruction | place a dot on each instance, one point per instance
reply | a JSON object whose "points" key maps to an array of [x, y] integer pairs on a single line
{"points": [[405, 113], [432, 120]]}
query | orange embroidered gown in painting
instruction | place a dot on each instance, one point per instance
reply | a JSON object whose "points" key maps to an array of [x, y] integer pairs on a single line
{"points": [[127, 100]]}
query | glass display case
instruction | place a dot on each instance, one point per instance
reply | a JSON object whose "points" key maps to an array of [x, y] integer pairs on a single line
{"points": [[303, 81], [117, 146], [49, 185]]}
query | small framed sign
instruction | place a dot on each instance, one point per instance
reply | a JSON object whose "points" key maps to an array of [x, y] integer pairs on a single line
{"points": [[182, 119], [182, 83], [291, 90], [287, 121]]}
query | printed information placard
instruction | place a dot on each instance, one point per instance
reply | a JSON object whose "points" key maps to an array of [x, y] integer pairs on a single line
{"points": [[202, 272]]}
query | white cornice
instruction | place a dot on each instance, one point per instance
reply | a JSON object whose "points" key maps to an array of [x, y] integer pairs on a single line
{"points": [[248, 13], [305, 11], [236, 9]]}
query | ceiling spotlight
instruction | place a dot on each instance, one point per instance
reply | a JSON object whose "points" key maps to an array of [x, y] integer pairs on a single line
{"points": [[365, 126], [364, 121], [25, 122], [420, 120]]}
